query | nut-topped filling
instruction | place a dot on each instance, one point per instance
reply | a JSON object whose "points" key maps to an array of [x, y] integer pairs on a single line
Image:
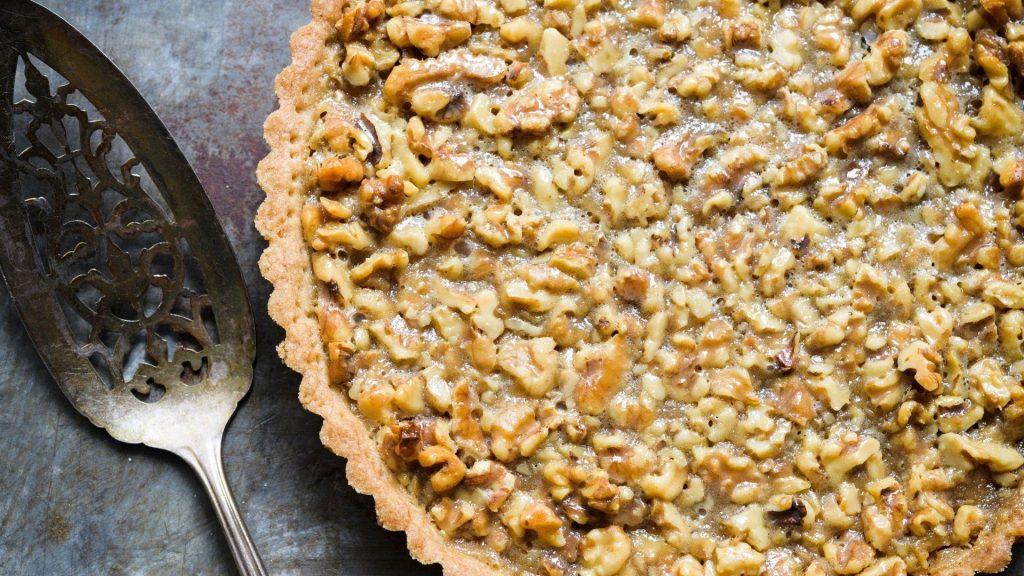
{"points": [[707, 287]]}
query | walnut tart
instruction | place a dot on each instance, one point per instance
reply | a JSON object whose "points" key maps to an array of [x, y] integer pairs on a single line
{"points": [[653, 287]]}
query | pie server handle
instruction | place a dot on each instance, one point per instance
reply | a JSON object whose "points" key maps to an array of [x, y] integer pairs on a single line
{"points": [[206, 461]]}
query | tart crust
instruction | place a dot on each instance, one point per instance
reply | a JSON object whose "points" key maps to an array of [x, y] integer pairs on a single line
{"points": [[285, 178], [991, 551]]}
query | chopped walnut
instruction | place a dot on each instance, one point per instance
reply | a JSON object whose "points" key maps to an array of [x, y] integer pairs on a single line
{"points": [[516, 432], [867, 123], [749, 525], [998, 115], [667, 480], [543, 277], [1004, 294], [555, 49], [558, 232], [532, 363], [990, 53], [962, 452], [677, 158], [465, 10], [920, 360], [451, 515], [498, 226], [851, 555], [501, 180], [1002, 10], [429, 35], [542, 520], [676, 28], [603, 374], [759, 74], [451, 471], [803, 168], [385, 259], [697, 83], [573, 259], [738, 560], [795, 402], [464, 425], [846, 451], [857, 78], [358, 66], [350, 235], [451, 66], [494, 482], [948, 132], [990, 386], [336, 172], [381, 200], [734, 383], [732, 474], [357, 18], [537, 108], [743, 32], [1011, 173], [969, 520], [802, 225], [605, 551], [888, 14]]}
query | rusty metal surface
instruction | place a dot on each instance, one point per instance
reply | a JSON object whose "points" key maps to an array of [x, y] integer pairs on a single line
{"points": [[73, 501]]}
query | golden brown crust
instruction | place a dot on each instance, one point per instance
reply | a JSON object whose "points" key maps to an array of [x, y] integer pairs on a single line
{"points": [[991, 551], [285, 263], [285, 178]]}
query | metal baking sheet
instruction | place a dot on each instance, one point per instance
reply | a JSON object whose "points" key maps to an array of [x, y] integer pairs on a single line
{"points": [[73, 501]]}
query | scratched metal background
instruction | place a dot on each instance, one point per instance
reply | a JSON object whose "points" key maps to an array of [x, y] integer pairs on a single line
{"points": [[75, 502]]}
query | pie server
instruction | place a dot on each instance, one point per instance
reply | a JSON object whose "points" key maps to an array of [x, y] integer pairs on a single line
{"points": [[123, 278]]}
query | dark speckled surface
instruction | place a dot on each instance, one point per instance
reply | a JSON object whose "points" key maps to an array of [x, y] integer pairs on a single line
{"points": [[75, 502]]}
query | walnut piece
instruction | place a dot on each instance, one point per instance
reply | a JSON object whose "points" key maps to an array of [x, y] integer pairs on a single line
{"points": [[859, 76], [451, 471], [532, 363], [962, 452], [603, 375], [450, 67], [948, 132], [605, 551], [678, 157], [537, 108], [381, 201], [429, 35]]}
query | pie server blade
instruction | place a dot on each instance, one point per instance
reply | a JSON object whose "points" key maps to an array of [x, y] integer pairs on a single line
{"points": [[114, 258]]}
